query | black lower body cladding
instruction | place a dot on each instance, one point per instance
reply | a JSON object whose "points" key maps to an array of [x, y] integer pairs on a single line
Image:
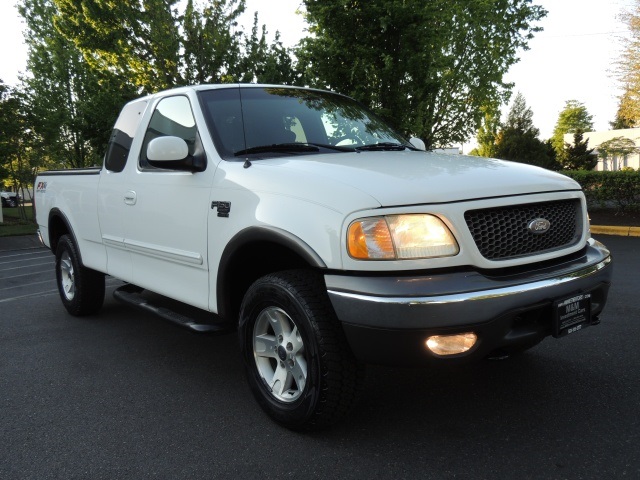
{"points": [[387, 319]]}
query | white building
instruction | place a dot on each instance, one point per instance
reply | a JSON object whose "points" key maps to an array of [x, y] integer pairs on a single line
{"points": [[630, 137]]}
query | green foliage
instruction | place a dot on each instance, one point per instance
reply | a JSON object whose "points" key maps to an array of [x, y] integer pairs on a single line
{"points": [[475, 152], [578, 156], [618, 147], [71, 106], [150, 45], [628, 113], [488, 133], [212, 48], [88, 58], [427, 67], [17, 159], [520, 116], [573, 117], [136, 40], [628, 71], [518, 139], [264, 63], [7, 132], [18, 221], [620, 189]]}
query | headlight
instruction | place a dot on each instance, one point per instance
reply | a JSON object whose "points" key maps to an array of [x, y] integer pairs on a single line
{"points": [[400, 237]]}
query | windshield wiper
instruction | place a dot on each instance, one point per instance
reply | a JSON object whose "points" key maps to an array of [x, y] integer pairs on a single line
{"points": [[389, 146], [339, 148], [279, 148]]}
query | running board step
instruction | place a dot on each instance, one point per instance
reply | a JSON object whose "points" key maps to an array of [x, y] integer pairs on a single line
{"points": [[133, 295]]}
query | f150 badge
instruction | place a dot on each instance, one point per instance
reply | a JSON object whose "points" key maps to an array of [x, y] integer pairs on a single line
{"points": [[223, 208]]}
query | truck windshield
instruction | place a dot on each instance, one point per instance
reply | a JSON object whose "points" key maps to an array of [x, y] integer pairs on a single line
{"points": [[278, 121]]}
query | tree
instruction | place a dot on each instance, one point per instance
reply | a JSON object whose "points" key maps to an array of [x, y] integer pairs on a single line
{"points": [[427, 67], [617, 147], [7, 113], [628, 71], [264, 63], [573, 117], [16, 157], [578, 156], [149, 44], [88, 58], [488, 133], [138, 41], [628, 113], [212, 47], [518, 139], [71, 105]]}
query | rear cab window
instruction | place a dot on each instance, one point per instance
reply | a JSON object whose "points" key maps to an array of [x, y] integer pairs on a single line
{"points": [[122, 135]]}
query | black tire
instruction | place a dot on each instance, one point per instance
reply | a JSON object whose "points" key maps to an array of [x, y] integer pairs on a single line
{"points": [[314, 345], [81, 289]]}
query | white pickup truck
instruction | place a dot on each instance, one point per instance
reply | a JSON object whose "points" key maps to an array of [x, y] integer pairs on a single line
{"points": [[324, 237]]}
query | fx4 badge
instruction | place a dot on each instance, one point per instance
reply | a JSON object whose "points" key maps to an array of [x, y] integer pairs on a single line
{"points": [[223, 208]]}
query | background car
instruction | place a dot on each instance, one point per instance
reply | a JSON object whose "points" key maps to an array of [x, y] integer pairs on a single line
{"points": [[9, 199]]}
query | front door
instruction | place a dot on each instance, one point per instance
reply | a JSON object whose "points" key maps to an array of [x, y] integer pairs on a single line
{"points": [[167, 213]]}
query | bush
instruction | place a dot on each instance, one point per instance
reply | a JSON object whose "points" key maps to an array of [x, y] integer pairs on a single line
{"points": [[619, 190]]}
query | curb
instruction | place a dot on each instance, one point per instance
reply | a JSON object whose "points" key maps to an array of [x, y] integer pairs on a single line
{"points": [[615, 230]]}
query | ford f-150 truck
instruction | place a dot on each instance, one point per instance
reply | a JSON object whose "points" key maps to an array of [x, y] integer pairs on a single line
{"points": [[325, 238]]}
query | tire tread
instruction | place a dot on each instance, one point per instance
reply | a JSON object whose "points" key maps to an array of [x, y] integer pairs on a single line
{"points": [[90, 284], [341, 375]]}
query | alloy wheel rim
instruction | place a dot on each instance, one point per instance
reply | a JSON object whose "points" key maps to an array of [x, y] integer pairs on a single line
{"points": [[279, 354], [67, 276]]}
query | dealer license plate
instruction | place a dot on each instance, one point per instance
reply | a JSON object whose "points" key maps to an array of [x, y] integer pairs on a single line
{"points": [[570, 315]]}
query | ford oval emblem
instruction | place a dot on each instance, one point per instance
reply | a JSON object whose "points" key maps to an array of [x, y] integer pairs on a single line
{"points": [[539, 225]]}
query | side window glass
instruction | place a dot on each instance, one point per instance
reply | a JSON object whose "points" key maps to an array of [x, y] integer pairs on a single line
{"points": [[172, 117], [223, 113], [122, 136]]}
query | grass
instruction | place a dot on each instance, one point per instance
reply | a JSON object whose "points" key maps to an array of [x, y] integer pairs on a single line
{"points": [[14, 225]]}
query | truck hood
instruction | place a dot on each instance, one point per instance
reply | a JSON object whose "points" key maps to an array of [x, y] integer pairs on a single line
{"points": [[409, 178]]}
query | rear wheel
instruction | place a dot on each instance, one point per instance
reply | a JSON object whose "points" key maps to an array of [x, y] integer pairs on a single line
{"points": [[81, 289], [298, 363]]}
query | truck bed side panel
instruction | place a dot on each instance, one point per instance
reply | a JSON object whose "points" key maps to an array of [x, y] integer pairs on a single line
{"points": [[73, 192]]}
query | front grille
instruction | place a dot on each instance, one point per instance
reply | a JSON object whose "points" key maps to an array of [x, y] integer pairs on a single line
{"points": [[501, 233]]}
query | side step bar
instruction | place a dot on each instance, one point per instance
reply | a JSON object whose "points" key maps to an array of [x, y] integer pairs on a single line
{"points": [[132, 295]]}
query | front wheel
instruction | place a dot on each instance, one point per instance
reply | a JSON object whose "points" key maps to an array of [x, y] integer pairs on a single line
{"points": [[298, 363], [81, 289]]}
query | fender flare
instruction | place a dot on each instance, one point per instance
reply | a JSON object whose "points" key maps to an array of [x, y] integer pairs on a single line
{"points": [[58, 214], [258, 234]]}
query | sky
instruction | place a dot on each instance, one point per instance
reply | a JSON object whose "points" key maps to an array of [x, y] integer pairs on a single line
{"points": [[573, 58]]}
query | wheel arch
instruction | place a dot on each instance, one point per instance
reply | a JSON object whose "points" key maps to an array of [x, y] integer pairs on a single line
{"points": [[59, 225], [253, 253]]}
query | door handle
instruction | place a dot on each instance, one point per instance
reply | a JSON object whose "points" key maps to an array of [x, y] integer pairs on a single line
{"points": [[130, 197]]}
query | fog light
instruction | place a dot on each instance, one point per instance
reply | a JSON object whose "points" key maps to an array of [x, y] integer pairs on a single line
{"points": [[451, 344]]}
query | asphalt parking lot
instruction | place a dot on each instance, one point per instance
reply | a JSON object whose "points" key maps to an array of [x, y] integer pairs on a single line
{"points": [[125, 395]]}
